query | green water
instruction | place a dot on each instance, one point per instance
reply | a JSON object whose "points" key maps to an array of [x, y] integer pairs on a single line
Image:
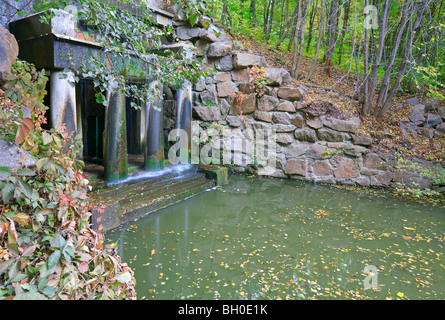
{"points": [[262, 238]]}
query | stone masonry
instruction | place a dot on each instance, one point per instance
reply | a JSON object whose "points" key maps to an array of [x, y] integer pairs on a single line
{"points": [[311, 145]]}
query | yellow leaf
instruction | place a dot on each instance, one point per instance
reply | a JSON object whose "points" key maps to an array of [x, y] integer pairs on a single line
{"points": [[400, 294], [22, 218]]}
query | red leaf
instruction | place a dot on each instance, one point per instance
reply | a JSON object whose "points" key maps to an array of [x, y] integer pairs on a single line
{"points": [[83, 267], [22, 132], [28, 122]]}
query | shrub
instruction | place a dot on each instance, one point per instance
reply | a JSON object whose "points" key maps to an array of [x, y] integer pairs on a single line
{"points": [[47, 247]]}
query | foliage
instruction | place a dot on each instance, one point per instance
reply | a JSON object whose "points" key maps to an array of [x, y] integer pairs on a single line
{"points": [[436, 174], [273, 22], [258, 80], [47, 248], [131, 42]]}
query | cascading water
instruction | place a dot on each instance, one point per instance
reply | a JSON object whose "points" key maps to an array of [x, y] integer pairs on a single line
{"points": [[154, 149]]}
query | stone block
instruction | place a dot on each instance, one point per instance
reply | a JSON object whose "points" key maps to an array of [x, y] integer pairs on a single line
{"points": [[245, 60], [9, 51], [245, 105], [226, 89], [332, 135], [290, 94], [281, 117], [286, 106], [297, 167], [347, 169], [207, 113], [220, 49], [322, 168], [305, 134], [343, 125], [267, 103]]}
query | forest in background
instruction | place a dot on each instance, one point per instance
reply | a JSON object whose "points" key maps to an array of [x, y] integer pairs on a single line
{"points": [[384, 47]]}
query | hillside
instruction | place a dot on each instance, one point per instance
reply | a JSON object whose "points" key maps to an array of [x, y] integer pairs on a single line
{"points": [[388, 133]]}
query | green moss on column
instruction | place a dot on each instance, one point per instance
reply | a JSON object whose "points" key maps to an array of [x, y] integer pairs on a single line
{"points": [[154, 143], [115, 137]]}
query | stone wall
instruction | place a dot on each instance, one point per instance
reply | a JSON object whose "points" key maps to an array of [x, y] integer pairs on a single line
{"points": [[9, 8], [314, 142]]}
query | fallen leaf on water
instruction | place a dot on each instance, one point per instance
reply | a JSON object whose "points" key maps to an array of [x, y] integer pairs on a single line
{"points": [[153, 251]]}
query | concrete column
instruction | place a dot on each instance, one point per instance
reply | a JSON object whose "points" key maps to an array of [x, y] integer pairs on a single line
{"points": [[154, 136], [115, 137], [63, 105], [184, 113]]}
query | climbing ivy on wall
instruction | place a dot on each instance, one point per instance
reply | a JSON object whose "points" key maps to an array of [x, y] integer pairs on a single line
{"points": [[126, 32], [47, 248]]}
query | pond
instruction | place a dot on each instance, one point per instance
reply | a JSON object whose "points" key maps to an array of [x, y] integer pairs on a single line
{"points": [[264, 238]]}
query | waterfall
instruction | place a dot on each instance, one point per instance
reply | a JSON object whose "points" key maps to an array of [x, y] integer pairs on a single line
{"points": [[184, 114], [154, 146]]}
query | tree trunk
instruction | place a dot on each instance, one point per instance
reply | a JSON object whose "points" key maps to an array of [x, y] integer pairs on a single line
{"points": [[266, 17], [311, 25], [395, 47], [343, 30], [289, 27], [253, 13], [320, 36], [297, 35], [333, 34], [224, 14], [271, 14], [302, 25], [412, 31], [372, 78]]}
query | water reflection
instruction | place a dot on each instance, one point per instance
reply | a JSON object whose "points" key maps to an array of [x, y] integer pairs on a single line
{"points": [[266, 238]]}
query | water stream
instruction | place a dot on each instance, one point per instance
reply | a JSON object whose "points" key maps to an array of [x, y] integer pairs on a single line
{"points": [[262, 238]]}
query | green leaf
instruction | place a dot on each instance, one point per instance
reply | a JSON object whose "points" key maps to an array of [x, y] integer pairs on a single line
{"points": [[8, 191], [25, 188], [193, 19], [54, 259], [30, 296], [124, 277], [42, 284], [19, 277], [26, 172], [47, 138], [67, 257], [42, 164], [4, 266], [205, 24], [217, 34], [6, 169], [49, 291], [58, 242]]}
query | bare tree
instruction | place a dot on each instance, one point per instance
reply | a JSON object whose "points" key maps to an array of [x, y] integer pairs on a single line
{"points": [[333, 27], [302, 26], [372, 77], [297, 35], [253, 12], [320, 37], [395, 48], [413, 29]]}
